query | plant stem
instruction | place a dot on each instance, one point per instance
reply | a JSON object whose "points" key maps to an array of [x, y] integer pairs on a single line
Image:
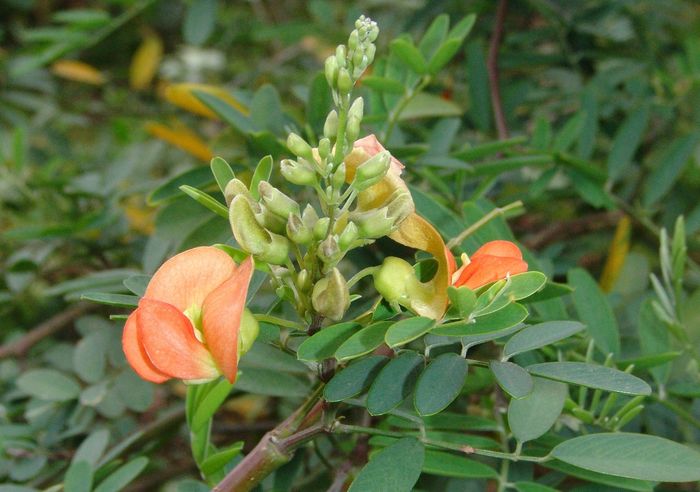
{"points": [[361, 274], [498, 211], [492, 68], [274, 320], [401, 105]]}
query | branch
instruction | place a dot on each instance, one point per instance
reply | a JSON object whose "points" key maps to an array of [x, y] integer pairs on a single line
{"points": [[55, 323], [492, 67]]}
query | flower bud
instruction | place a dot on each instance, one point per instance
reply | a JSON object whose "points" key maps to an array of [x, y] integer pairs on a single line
{"points": [[309, 217], [357, 59], [344, 81], [331, 71], [304, 280], [330, 127], [370, 52], [324, 148], [353, 40], [321, 228], [340, 56], [372, 170], [299, 147], [277, 202], [373, 224], [352, 130], [252, 237], [331, 297], [329, 251], [298, 172], [349, 235], [338, 177], [248, 332], [393, 280], [297, 231], [234, 188], [357, 108]]}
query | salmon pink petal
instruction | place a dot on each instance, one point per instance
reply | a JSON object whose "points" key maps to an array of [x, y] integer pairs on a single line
{"points": [[504, 249], [136, 355], [221, 318], [371, 145], [187, 278], [451, 262], [486, 269], [167, 336]]}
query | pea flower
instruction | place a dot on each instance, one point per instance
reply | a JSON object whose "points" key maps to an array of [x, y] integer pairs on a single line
{"points": [[191, 323], [493, 261]]}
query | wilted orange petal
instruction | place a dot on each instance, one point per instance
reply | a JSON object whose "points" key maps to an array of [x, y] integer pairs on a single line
{"points": [[168, 338], [182, 95], [486, 269], [451, 262], [505, 249], [145, 62], [78, 71], [136, 356], [187, 278], [221, 319]]}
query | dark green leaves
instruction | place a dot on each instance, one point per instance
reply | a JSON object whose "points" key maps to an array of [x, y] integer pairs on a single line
{"points": [[592, 376], [407, 330], [440, 384], [668, 168], [626, 141], [507, 317], [363, 341], [323, 344], [200, 20], [514, 380], [637, 456], [395, 468], [394, 383], [594, 310], [49, 384], [452, 465], [539, 335], [409, 55], [533, 415], [354, 379]]}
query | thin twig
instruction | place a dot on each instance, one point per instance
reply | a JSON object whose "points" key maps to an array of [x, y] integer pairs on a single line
{"points": [[492, 67], [496, 212], [47, 328]]}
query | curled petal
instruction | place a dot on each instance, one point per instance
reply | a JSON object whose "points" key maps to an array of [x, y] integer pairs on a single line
{"points": [[221, 318], [167, 336], [416, 232], [505, 249], [136, 355], [485, 269], [187, 278]]}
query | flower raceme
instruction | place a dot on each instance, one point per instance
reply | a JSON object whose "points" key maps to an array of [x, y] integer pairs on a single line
{"points": [[493, 261], [191, 323]]}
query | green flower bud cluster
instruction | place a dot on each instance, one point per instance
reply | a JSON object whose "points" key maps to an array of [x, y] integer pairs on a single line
{"points": [[349, 62], [380, 222]]}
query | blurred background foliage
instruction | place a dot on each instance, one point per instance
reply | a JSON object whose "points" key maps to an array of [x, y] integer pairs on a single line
{"points": [[598, 136]]}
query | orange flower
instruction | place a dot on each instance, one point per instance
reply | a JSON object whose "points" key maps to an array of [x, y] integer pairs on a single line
{"points": [[493, 261], [188, 323]]}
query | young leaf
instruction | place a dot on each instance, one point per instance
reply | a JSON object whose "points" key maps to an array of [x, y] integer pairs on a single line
{"points": [[637, 456], [440, 383], [198, 177], [363, 342], [411, 56], [594, 310], [324, 344], [118, 300], [532, 416], [262, 173], [451, 465], [226, 111], [394, 383], [207, 200], [123, 475], [221, 458], [354, 379], [222, 172], [514, 380], [383, 84], [626, 141], [434, 36], [540, 335], [502, 319], [78, 477], [407, 330], [92, 448], [395, 468], [592, 376], [208, 405]]}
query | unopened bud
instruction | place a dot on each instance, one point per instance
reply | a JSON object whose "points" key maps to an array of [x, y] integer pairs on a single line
{"points": [[357, 108], [331, 71], [329, 251], [370, 52], [372, 170], [331, 297], [252, 237], [297, 230], [352, 130], [309, 217], [340, 56], [277, 202], [373, 224], [298, 172], [394, 279], [299, 147], [338, 177], [330, 127], [321, 228], [357, 59], [353, 40], [349, 235], [248, 332], [344, 81], [304, 280], [324, 148], [234, 188]]}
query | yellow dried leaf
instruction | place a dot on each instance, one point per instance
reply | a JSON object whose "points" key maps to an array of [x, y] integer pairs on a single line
{"points": [[78, 71], [145, 62], [181, 95], [619, 247], [182, 138]]}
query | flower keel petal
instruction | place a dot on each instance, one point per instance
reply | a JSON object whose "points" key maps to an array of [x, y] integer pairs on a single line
{"points": [[136, 355]]}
